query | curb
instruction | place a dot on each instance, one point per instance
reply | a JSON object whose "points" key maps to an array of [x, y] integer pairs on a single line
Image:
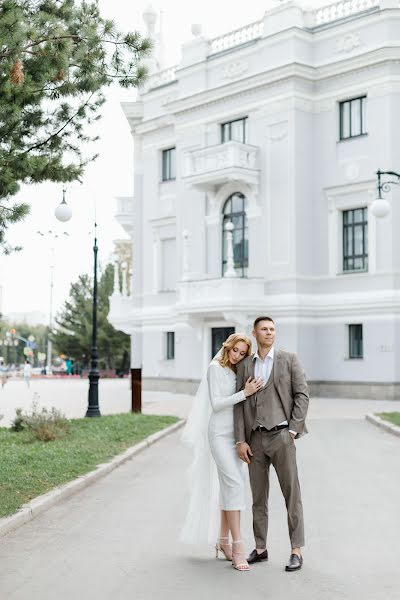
{"points": [[382, 424], [38, 505]]}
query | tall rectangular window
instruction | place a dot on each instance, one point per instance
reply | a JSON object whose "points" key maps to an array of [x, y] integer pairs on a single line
{"points": [[355, 239], [170, 345], [356, 341], [352, 117], [168, 164], [234, 130]]}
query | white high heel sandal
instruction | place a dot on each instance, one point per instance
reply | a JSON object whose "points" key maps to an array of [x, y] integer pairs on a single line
{"points": [[240, 566], [219, 548]]}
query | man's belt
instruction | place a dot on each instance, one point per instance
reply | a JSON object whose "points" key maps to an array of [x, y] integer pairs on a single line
{"points": [[276, 428]]}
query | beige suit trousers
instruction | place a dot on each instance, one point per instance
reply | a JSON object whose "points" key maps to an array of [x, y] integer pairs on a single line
{"points": [[276, 448]]}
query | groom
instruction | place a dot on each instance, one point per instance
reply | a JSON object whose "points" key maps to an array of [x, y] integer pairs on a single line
{"points": [[266, 425]]}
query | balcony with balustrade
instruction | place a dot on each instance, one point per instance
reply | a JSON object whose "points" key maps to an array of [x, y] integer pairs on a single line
{"points": [[214, 297], [124, 214], [215, 165]]}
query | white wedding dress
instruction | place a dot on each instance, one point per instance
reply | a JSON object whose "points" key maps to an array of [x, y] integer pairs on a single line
{"points": [[231, 474], [216, 475]]}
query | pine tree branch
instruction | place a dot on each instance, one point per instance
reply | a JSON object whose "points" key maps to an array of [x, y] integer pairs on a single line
{"points": [[55, 134]]}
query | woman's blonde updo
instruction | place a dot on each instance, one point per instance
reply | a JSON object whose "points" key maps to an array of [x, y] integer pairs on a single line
{"points": [[230, 343]]}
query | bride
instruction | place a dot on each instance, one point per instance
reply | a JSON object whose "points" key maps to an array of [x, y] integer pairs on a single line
{"points": [[209, 431]]}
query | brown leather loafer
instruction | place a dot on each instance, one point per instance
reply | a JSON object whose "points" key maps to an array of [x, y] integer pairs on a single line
{"points": [[295, 563], [255, 557]]}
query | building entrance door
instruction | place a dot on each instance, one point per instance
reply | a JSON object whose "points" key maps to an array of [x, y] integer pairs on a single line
{"points": [[218, 337]]}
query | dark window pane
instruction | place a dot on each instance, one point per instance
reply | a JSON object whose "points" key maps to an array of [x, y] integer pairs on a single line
{"points": [[218, 336], [225, 132], [237, 203], [363, 115], [355, 239], [345, 120], [235, 213], [234, 130], [358, 215], [352, 116], [358, 239], [355, 341], [356, 117], [170, 345], [168, 164], [227, 207]]}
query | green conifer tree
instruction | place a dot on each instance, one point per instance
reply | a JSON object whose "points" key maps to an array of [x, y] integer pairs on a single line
{"points": [[56, 59]]}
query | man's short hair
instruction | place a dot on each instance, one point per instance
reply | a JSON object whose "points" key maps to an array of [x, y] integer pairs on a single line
{"points": [[256, 322]]}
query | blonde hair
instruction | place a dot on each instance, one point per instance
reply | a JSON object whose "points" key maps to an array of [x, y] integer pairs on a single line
{"points": [[230, 343]]}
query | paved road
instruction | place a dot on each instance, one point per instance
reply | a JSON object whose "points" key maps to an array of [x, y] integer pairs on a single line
{"points": [[117, 540], [71, 397]]}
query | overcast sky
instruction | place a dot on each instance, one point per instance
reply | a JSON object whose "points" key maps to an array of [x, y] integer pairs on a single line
{"points": [[25, 277]]}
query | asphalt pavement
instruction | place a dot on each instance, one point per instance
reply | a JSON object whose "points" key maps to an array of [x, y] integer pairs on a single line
{"points": [[118, 539]]}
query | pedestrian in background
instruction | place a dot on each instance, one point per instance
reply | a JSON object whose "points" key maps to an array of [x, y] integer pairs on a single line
{"points": [[3, 372], [27, 372]]}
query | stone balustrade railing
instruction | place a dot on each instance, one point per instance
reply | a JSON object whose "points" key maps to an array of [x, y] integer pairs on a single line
{"points": [[339, 10], [162, 77], [313, 18], [237, 37], [124, 205], [222, 156]]}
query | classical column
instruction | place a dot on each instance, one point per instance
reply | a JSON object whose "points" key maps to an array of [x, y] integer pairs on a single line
{"points": [[230, 264], [116, 291], [124, 268]]}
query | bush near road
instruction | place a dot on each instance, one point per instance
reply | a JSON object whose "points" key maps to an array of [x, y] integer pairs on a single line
{"points": [[31, 468]]}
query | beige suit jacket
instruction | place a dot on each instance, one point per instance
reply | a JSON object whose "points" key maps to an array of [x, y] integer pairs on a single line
{"points": [[291, 385]]}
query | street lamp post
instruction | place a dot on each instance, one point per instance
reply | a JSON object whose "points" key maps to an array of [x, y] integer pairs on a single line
{"points": [[94, 375], [63, 213], [380, 207]]}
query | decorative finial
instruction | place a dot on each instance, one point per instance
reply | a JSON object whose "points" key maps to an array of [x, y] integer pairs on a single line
{"points": [[150, 16], [196, 29]]}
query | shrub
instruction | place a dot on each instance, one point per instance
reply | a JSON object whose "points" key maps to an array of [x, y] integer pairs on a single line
{"points": [[18, 424], [44, 425]]}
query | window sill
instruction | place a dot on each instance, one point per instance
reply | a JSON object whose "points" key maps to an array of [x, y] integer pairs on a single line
{"points": [[354, 359], [354, 272], [353, 137], [168, 180]]}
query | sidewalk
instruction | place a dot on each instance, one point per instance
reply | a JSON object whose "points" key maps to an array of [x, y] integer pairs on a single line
{"points": [[117, 540]]}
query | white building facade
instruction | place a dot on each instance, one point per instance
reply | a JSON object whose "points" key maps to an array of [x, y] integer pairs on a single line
{"points": [[255, 166]]}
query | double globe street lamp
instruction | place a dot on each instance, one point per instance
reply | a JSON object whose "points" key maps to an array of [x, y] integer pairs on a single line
{"points": [[63, 213]]}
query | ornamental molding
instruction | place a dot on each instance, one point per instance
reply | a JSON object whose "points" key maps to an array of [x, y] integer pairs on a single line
{"points": [[279, 75], [257, 84], [334, 307], [235, 69], [348, 42], [217, 199], [277, 132], [345, 196]]}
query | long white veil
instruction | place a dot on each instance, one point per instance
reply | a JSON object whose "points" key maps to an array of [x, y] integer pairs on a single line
{"points": [[202, 519]]}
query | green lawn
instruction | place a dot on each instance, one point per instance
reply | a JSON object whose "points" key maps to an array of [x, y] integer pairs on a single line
{"points": [[393, 417], [28, 469]]}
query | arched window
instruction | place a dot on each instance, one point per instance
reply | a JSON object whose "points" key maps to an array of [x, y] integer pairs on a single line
{"points": [[235, 211]]}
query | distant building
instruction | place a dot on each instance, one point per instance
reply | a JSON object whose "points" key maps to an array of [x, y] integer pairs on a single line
{"points": [[276, 129]]}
